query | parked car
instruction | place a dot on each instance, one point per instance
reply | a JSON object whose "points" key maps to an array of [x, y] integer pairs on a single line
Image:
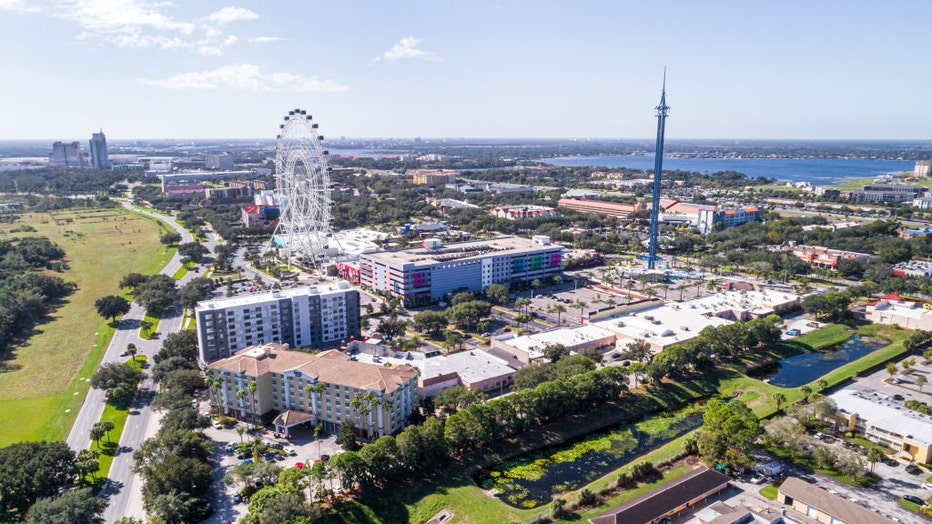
{"points": [[913, 469], [792, 333], [898, 397], [914, 499], [758, 479], [927, 485]]}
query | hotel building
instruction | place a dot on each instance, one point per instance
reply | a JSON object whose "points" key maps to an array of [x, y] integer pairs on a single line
{"points": [[432, 272], [314, 317], [378, 399]]}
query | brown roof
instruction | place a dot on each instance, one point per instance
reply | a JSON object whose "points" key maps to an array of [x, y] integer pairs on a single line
{"points": [[825, 502], [663, 499], [290, 417], [332, 367]]}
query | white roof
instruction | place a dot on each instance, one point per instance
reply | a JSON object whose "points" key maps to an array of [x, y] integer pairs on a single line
{"points": [[472, 366], [569, 337], [662, 326], [885, 415], [762, 302], [272, 296], [907, 309]]}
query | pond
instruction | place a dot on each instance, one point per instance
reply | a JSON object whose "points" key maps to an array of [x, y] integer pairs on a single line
{"points": [[530, 480], [803, 369]]}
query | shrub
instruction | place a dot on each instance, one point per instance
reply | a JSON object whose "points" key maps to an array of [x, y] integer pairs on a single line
{"points": [[588, 498]]}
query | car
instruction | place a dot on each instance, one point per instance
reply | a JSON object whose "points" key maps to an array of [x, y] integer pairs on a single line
{"points": [[237, 498], [325, 457], [895, 381], [246, 461], [819, 435], [124, 354], [912, 469], [539, 296], [758, 479], [898, 397], [926, 485], [217, 425], [914, 499], [792, 333]]}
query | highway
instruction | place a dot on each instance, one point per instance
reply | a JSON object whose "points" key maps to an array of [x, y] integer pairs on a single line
{"points": [[123, 489]]}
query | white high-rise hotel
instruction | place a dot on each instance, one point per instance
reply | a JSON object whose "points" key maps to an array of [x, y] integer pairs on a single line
{"points": [[315, 317]]}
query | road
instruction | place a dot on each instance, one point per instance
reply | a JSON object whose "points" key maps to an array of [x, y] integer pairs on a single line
{"points": [[123, 489]]}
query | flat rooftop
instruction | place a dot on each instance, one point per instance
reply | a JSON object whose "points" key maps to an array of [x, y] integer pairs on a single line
{"points": [[903, 309], [885, 415], [759, 303], [662, 325], [571, 337], [245, 300], [471, 366], [505, 245]]}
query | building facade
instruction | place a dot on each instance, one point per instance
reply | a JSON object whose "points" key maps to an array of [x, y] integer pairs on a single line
{"points": [[888, 193], [907, 431], [224, 161], [314, 317], [518, 212], [717, 219], [66, 155], [100, 157], [431, 273], [434, 178], [823, 257], [325, 388]]}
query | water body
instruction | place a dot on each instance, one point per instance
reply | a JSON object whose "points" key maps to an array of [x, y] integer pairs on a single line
{"points": [[817, 171], [529, 480], [803, 369]]}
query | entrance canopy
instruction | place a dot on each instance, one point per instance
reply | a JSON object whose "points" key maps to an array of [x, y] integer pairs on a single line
{"points": [[290, 418]]}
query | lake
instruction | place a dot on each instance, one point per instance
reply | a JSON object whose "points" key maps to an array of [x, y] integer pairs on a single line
{"points": [[817, 171], [802, 369]]}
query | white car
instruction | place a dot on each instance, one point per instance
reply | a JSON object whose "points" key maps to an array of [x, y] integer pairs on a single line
{"points": [[927, 485]]}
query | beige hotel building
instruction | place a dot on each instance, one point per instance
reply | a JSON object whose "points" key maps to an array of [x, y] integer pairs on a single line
{"points": [[384, 395]]}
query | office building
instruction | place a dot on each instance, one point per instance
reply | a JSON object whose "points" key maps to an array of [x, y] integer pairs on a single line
{"points": [[885, 422], [434, 178], [100, 158], [66, 155], [378, 399], [893, 310], [718, 219], [224, 161], [313, 317], [434, 272]]}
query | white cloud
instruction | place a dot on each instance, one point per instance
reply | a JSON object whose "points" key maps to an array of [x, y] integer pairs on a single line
{"points": [[407, 48], [247, 77], [265, 39], [231, 14], [139, 23]]}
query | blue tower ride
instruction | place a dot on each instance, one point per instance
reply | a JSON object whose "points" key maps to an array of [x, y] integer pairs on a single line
{"points": [[662, 111]]}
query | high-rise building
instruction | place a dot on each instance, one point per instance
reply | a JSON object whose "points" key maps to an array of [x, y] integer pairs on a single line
{"points": [[66, 155], [100, 158], [434, 272], [313, 317], [223, 161]]}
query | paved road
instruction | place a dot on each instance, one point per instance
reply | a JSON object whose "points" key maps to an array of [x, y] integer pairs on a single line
{"points": [[123, 488]]}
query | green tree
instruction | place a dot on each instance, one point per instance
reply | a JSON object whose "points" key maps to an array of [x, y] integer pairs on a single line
{"points": [[346, 436], [252, 394], [429, 322], [191, 252], [555, 352], [496, 293], [779, 398], [891, 368], [455, 398], [921, 381], [132, 350], [30, 471], [112, 306], [196, 290], [559, 309], [392, 327], [97, 433], [170, 237], [874, 455], [453, 340], [73, 507]]}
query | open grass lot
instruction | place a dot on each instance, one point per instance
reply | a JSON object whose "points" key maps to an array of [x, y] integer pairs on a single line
{"points": [[40, 397], [418, 501]]}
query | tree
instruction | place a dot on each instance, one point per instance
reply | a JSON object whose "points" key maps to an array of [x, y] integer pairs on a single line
{"points": [[156, 293], [197, 290], [559, 309], [392, 327], [921, 382], [638, 350], [87, 462], [522, 303], [107, 426], [496, 293], [467, 314], [831, 305], [191, 252], [74, 507], [530, 376], [891, 368], [132, 350], [555, 352], [874, 455], [145, 326], [181, 344], [779, 398], [133, 280], [822, 384], [97, 433], [170, 237], [453, 340], [429, 322], [346, 437], [252, 394], [30, 471], [119, 381], [112, 306], [455, 398]]}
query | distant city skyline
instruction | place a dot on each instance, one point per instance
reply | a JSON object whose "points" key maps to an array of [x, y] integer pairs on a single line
{"points": [[211, 69]]}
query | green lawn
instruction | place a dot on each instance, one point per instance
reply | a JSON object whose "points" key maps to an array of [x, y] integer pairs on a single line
{"points": [[182, 271], [154, 319], [118, 417], [769, 492], [50, 370]]}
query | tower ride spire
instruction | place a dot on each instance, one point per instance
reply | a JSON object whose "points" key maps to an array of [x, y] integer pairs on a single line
{"points": [[662, 111]]}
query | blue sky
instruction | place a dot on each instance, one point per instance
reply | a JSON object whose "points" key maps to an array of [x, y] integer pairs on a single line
{"points": [[465, 68]]}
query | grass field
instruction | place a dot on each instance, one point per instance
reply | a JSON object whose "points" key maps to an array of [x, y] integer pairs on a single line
{"points": [[40, 397], [118, 417]]}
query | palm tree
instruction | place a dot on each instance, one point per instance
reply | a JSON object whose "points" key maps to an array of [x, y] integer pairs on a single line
{"points": [[522, 303], [779, 398], [239, 431], [252, 393], [241, 393], [822, 384], [132, 350], [559, 309], [921, 382]]}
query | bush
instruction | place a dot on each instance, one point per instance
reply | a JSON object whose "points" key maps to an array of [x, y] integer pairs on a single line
{"points": [[588, 498]]}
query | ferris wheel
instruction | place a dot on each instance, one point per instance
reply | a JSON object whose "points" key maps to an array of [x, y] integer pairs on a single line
{"points": [[302, 185]]}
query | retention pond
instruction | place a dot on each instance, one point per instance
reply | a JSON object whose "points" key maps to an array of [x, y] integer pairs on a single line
{"points": [[803, 369]]}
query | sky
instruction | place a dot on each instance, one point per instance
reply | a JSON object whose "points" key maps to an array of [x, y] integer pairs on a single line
{"points": [[465, 68]]}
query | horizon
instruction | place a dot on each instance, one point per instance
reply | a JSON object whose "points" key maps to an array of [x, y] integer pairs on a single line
{"points": [[491, 69]]}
